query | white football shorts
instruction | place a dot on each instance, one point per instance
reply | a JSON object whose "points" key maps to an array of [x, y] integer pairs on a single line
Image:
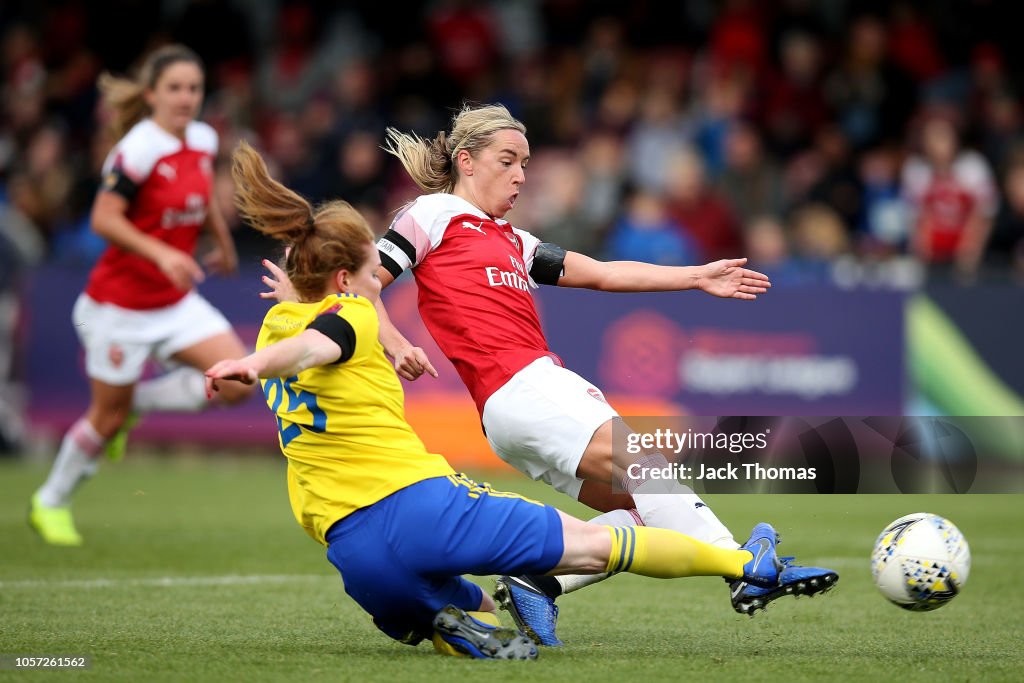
{"points": [[542, 420], [118, 341]]}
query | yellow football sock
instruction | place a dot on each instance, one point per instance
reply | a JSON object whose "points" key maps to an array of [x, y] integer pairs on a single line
{"points": [[442, 647], [665, 554]]}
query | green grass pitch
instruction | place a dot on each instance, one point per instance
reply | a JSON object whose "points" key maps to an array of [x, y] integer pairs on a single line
{"points": [[194, 570]]}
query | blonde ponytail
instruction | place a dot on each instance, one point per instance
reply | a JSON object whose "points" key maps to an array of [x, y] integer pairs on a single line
{"points": [[426, 161], [431, 163]]}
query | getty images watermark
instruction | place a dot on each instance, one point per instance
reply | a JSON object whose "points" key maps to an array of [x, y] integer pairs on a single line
{"points": [[822, 454], [664, 440]]}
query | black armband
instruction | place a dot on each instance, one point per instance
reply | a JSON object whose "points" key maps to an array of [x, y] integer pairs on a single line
{"points": [[339, 331], [118, 182], [548, 264], [396, 253], [390, 264]]}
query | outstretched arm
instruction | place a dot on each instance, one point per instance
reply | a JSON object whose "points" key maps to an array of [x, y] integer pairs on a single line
{"points": [[410, 361], [289, 357], [726, 278]]}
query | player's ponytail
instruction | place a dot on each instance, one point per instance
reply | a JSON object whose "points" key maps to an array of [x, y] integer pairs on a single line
{"points": [[427, 162], [267, 205], [431, 163], [323, 241], [126, 96]]}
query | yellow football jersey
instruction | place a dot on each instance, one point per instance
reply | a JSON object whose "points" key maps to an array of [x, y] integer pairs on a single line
{"points": [[342, 426]]}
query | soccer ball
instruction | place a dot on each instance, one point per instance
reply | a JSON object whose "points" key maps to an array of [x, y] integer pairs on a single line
{"points": [[920, 562]]}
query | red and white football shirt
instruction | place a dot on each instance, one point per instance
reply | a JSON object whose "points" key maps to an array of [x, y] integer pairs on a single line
{"points": [[167, 182], [945, 203], [473, 277]]}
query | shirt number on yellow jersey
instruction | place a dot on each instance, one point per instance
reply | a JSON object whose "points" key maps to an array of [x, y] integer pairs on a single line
{"points": [[296, 398]]}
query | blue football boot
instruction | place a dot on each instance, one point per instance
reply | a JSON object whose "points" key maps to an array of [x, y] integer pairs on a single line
{"points": [[533, 610], [764, 568], [793, 580]]}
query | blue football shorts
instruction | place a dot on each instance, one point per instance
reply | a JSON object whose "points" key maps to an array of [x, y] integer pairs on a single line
{"points": [[402, 558]]}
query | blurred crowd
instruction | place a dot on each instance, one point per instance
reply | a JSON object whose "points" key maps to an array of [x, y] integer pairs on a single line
{"points": [[829, 141]]}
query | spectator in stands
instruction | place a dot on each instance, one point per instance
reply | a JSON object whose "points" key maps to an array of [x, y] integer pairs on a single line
{"points": [[660, 132], [871, 97], [792, 106], [768, 245], [839, 186], [885, 219], [1006, 246], [953, 196], [704, 215], [646, 232], [751, 182], [819, 239]]}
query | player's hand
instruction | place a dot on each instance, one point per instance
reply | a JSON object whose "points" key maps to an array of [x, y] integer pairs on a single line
{"points": [[180, 268], [411, 362], [281, 288], [223, 261], [730, 280], [234, 370]]}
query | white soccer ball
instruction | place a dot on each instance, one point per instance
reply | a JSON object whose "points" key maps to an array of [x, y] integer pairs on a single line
{"points": [[920, 561]]}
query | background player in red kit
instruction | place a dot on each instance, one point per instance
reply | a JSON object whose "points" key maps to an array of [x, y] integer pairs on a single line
{"points": [[140, 300], [474, 273]]}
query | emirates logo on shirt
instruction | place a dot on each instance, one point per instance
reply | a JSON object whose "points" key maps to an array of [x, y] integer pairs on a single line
{"points": [[515, 278], [506, 278], [194, 213]]}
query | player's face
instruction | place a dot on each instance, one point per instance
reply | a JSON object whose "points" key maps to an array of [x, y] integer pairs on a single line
{"points": [[176, 96], [364, 281], [497, 172]]}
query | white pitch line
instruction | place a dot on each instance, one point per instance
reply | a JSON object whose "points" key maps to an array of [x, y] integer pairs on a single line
{"points": [[865, 562], [836, 562], [167, 581]]}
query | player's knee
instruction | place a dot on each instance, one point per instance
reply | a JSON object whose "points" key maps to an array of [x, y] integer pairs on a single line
{"points": [[599, 547], [596, 463], [587, 547], [107, 420]]}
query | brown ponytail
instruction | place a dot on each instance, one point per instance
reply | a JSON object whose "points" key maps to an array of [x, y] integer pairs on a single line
{"points": [[323, 241]]}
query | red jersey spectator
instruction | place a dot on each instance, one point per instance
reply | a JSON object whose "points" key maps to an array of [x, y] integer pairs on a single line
{"points": [[704, 215], [953, 194]]}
